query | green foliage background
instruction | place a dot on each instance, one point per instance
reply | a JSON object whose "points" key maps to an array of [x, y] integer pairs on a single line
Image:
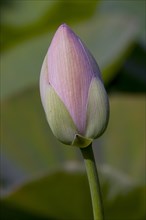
{"points": [[41, 178]]}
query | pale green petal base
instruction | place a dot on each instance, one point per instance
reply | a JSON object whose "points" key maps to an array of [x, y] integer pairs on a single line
{"points": [[97, 109], [59, 118]]}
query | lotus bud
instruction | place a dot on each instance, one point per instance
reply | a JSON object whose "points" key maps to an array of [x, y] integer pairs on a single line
{"points": [[72, 92]]}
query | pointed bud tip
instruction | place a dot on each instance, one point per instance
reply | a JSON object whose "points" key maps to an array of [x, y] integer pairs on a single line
{"points": [[63, 25], [64, 28]]}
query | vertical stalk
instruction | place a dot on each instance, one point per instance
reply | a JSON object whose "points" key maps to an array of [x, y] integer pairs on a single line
{"points": [[93, 182]]}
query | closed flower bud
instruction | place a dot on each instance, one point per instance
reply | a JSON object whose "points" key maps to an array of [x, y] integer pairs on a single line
{"points": [[72, 91]]}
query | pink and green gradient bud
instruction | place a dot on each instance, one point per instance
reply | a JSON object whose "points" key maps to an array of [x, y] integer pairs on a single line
{"points": [[72, 91]]}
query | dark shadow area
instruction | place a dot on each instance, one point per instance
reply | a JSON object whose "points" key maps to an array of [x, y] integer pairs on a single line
{"points": [[6, 3], [132, 76], [8, 212]]}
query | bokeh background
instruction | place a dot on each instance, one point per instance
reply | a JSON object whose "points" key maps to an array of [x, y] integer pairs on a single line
{"points": [[41, 178]]}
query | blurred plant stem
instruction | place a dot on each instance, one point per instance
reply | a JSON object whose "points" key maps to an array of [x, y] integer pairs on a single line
{"points": [[94, 184]]}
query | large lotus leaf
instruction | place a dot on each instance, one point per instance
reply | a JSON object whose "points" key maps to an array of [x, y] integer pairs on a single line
{"points": [[65, 195]]}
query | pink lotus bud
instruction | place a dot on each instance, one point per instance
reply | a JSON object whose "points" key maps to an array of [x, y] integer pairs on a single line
{"points": [[72, 91]]}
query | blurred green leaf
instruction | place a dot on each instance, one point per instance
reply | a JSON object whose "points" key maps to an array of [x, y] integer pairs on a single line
{"points": [[124, 139], [26, 137], [18, 27], [65, 195], [61, 195], [136, 9], [130, 206]]}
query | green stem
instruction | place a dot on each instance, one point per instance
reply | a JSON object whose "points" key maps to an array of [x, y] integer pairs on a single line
{"points": [[94, 184]]}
